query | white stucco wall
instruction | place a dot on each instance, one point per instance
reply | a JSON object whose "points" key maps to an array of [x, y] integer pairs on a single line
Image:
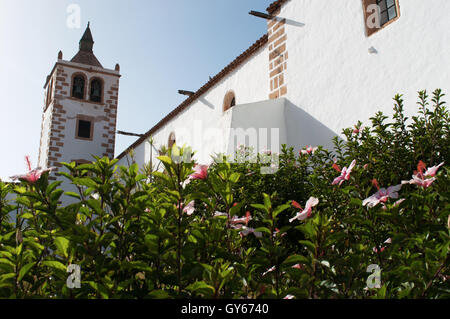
{"points": [[334, 78], [264, 120], [193, 126], [45, 135]]}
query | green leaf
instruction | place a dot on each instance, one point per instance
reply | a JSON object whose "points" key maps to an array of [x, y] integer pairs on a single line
{"points": [[159, 294], [202, 288], [234, 177], [100, 289], [263, 230], [72, 194], [356, 202], [24, 270], [27, 216], [54, 264], [165, 159], [280, 209], [267, 202], [308, 244], [62, 245], [296, 259], [260, 207], [88, 182], [6, 262]]}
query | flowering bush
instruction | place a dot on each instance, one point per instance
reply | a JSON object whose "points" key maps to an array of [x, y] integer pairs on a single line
{"points": [[310, 230]]}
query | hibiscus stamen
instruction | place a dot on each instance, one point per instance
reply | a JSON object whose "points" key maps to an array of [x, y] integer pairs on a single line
{"points": [[28, 162], [375, 183]]}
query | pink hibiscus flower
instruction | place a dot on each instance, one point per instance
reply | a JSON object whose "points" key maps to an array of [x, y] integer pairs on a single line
{"points": [[277, 231], [201, 172], [387, 241], [420, 178], [382, 195], [345, 173], [241, 220], [249, 230], [33, 175], [216, 214], [431, 171], [401, 200], [309, 150], [312, 201], [189, 208], [269, 270]]}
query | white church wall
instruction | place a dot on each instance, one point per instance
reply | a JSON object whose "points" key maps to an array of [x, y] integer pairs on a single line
{"points": [[45, 135], [264, 119], [302, 129], [331, 74], [193, 126], [332, 78]]}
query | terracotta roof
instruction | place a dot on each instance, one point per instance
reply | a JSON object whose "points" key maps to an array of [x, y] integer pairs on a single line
{"points": [[275, 6], [225, 71], [85, 57]]}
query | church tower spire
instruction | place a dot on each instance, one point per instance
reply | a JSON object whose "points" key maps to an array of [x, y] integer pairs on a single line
{"points": [[85, 54], [87, 42]]}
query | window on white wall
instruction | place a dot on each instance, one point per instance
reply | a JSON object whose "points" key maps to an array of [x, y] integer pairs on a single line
{"points": [[229, 101], [84, 128], [378, 14], [388, 10], [171, 140]]}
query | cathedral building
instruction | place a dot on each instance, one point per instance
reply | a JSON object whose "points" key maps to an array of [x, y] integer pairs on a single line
{"points": [[321, 66]]}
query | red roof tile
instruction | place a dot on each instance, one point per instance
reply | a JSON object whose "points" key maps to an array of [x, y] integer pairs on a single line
{"points": [[275, 6], [85, 57]]}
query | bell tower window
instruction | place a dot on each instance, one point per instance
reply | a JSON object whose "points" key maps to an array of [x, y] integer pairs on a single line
{"points": [[49, 93], [78, 87], [96, 90]]}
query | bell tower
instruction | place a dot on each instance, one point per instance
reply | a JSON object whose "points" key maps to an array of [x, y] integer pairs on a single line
{"points": [[80, 109]]}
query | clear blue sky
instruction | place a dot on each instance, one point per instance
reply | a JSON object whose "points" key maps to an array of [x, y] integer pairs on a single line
{"points": [[161, 46]]}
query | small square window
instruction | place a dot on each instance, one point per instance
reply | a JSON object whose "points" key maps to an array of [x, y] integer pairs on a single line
{"points": [[390, 3], [84, 129], [392, 12], [388, 10], [379, 14], [384, 17]]}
